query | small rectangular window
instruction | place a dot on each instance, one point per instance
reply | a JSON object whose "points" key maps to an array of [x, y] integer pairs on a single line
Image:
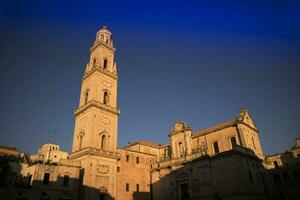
{"points": [[127, 158], [216, 147], [66, 180], [29, 179], [102, 196], [46, 179], [137, 187], [233, 142], [137, 160], [276, 164], [127, 187], [118, 169]]}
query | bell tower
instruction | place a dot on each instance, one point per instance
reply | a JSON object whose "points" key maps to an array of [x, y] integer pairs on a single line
{"points": [[96, 121]]}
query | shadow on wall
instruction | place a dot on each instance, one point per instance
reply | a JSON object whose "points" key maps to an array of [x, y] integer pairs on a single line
{"points": [[51, 191], [228, 175], [14, 186], [234, 174], [141, 195]]}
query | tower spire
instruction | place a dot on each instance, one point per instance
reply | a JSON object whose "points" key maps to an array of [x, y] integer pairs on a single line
{"points": [[96, 118], [102, 54], [97, 115]]}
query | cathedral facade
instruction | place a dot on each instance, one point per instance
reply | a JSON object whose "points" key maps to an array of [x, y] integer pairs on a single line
{"points": [[225, 161]]}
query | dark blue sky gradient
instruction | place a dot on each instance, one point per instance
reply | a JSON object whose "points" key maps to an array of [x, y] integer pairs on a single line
{"points": [[191, 61]]}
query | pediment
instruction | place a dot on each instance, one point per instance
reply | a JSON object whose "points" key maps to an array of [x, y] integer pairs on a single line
{"points": [[246, 118]]}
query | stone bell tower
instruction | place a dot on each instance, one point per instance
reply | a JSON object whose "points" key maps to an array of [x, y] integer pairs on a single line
{"points": [[96, 120]]}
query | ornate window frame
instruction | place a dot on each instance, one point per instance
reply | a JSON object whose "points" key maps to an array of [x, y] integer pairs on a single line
{"points": [[106, 91], [80, 137], [106, 135]]}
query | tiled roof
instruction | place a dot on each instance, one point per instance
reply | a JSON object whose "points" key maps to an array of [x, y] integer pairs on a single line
{"points": [[144, 142], [9, 148], [216, 127]]}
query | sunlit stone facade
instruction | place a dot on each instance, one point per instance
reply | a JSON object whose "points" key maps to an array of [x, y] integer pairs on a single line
{"points": [[96, 121], [134, 171], [225, 161]]}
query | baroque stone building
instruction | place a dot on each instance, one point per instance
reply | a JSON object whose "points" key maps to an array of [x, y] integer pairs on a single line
{"points": [[225, 161]]}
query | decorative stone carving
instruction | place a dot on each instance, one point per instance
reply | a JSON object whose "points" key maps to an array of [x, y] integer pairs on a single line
{"points": [[179, 126], [102, 169], [107, 84], [105, 120]]}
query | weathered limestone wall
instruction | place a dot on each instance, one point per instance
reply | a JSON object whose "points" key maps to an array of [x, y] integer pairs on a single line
{"points": [[230, 175], [56, 188], [133, 173], [222, 137]]}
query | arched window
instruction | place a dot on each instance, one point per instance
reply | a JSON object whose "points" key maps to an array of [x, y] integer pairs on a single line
{"points": [[216, 147], [66, 180], [105, 64], [180, 149], [86, 98], [80, 142], [46, 179], [103, 142], [105, 97], [276, 164], [233, 142], [102, 37]]}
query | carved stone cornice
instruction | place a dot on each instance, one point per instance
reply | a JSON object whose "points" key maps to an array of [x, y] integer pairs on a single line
{"points": [[86, 75], [181, 131], [94, 151], [241, 122], [231, 123], [99, 105], [96, 44]]}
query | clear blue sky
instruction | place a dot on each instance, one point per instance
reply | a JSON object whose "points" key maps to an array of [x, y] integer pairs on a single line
{"points": [[191, 61]]}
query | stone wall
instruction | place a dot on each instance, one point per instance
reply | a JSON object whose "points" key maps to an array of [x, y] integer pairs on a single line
{"points": [[133, 169]]}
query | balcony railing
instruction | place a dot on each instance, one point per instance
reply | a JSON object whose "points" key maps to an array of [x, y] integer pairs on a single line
{"points": [[95, 151], [98, 105]]}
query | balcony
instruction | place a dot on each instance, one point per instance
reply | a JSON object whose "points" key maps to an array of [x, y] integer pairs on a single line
{"points": [[99, 68], [99, 105], [102, 42], [94, 151]]}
